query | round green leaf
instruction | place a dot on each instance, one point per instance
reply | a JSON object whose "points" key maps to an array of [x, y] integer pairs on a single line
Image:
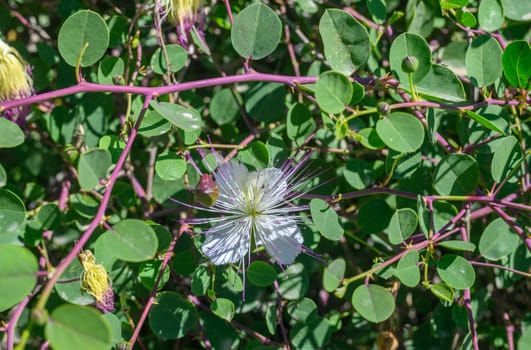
{"points": [[172, 316], [170, 166], [256, 31], [443, 292], [10, 134], [265, 102], [374, 216], [312, 335], [497, 240], [131, 240], [149, 272], [370, 139], [304, 310], [517, 10], [326, 220], [466, 18], [507, 155], [93, 167], [359, 173], [374, 303], [153, 124], [223, 308], [407, 269], [456, 175], [200, 280], [333, 92], [490, 15], [456, 271], [71, 291], [78, 327], [49, 216], [187, 119], [402, 225], [333, 274], [261, 274], [401, 131], [346, 43], [294, 282], [109, 69], [83, 28], [18, 274], [441, 84], [483, 61], [409, 44], [177, 56], [300, 122], [516, 62], [224, 107], [12, 212]]}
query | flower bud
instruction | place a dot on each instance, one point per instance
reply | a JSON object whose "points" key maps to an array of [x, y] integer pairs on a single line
{"points": [[183, 13], [206, 191], [383, 107], [410, 64]]}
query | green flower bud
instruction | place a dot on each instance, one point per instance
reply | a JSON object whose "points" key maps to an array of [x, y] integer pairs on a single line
{"points": [[410, 64], [383, 107]]}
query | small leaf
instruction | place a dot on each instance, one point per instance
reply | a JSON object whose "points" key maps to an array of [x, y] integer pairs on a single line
{"points": [[517, 10], [483, 61], [507, 155], [200, 280], [271, 319], [485, 122], [110, 68], [78, 327], [300, 122], [83, 28], [170, 166], [456, 271], [453, 4], [333, 92], [153, 124], [93, 167], [456, 175], [185, 118], [374, 216], [261, 274], [177, 57], [516, 62], [458, 245], [407, 269], [172, 316], [401, 131], [374, 303], [326, 220], [346, 42], [18, 274], [256, 31], [414, 45], [223, 308], [497, 240], [10, 134], [333, 274], [441, 84], [402, 225], [224, 107], [131, 240], [443, 292], [12, 212], [490, 15]]}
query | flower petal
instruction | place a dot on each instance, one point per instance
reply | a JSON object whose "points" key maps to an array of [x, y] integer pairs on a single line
{"points": [[280, 236], [227, 242]]}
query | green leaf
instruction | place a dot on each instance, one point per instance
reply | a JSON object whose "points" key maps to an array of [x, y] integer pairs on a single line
{"points": [[261, 274], [485, 122], [440, 84], [333, 274], [516, 62], [200, 280], [256, 31], [453, 4], [456, 271], [312, 335], [374, 216], [408, 44], [149, 272], [466, 18], [153, 124], [401, 131], [300, 123], [517, 10], [374, 303], [294, 282], [78, 327], [359, 173], [456, 175], [187, 119], [49, 216], [402, 225], [483, 61], [3, 176], [265, 102], [176, 55], [93, 167], [131, 240], [507, 155], [407, 269], [110, 69], [71, 291], [10, 134], [326, 220], [224, 107], [223, 308], [370, 139], [12, 213], [172, 316], [458, 245], [303, 311], [170, 166], [490, 15], [377, 9], [346, 42], [18, 274], [271, 319], [333, 92], [497, 240], [443, 292], [83, 28]]}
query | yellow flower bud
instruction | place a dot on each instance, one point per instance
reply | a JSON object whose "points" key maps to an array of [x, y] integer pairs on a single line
{"points": [[15, 81]]}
